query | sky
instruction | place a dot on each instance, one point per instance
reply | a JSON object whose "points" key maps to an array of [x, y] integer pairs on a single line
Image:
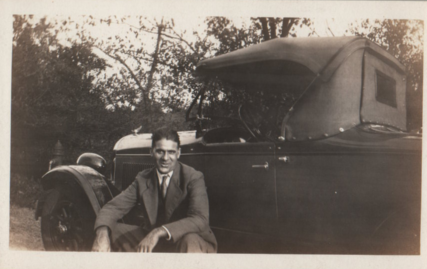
{"points": [[186, 24], [324, 27]]}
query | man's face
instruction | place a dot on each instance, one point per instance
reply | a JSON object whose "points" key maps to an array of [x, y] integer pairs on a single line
{"points": [[166, 154]]}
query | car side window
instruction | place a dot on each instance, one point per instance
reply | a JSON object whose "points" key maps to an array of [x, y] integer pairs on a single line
{"points": [[386, 89]]}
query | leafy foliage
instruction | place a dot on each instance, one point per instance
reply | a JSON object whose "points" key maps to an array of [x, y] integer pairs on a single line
{"points": [[53, 97], [24, 191]]}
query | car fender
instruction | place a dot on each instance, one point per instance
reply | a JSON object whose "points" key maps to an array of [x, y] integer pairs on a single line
{"points": [[90, 181]]}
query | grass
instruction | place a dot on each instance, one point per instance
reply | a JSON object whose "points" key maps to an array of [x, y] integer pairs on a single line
{"points": [[24, 231], [24, 191]]}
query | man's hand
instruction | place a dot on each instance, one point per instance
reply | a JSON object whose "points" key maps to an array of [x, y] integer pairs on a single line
{"points": [[102, 240], [150, 241]]}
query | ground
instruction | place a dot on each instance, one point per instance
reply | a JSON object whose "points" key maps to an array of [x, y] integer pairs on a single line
{"points": [[24, 230]]}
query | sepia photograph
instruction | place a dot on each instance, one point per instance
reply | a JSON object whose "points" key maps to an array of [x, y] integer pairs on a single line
{"points": [[265, 139]]}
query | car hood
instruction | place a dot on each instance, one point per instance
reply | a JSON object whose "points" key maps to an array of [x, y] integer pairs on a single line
{"points": [[135, 141]]}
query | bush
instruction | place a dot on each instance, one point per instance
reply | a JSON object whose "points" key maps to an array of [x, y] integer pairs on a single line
{"points": [[24, 191]]}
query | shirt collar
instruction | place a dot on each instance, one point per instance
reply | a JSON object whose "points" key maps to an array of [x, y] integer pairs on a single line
{"points": [[160, 176]]}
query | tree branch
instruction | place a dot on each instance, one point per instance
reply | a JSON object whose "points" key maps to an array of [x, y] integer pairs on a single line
{"points": [[166, 64], [177, 37], [151, 60], [117, 58], [173, 37]]}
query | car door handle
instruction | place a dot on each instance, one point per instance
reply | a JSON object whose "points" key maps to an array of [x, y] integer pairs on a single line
{"points": [[284, 159], [263, 166]]}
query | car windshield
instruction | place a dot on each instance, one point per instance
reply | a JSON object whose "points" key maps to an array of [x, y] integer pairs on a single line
{"points": [[259, 95]]}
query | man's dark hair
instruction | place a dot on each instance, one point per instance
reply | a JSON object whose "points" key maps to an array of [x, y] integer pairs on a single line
{"points": [[165, 133]]}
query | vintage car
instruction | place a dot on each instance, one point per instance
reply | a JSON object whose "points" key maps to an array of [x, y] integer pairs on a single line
{"points": [[304, 149]]}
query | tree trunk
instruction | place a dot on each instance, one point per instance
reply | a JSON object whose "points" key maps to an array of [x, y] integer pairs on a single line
{"points": [[153, 67], [272, 24], [264, 28], [287, 26]]}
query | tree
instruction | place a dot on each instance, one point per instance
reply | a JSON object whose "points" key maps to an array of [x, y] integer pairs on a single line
{"points": [[155, 77], [61, 89], [53, 96], [232, 37], [158, 76], [270, 25]]}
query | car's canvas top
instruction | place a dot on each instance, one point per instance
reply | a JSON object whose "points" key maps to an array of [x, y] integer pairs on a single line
{"points": [[313, 52]]}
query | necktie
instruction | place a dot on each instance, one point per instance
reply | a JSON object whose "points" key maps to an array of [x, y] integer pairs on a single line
{"points": [[164, 186]]}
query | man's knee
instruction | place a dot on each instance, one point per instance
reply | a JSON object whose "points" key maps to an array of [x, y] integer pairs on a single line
{"points": [[126, 237], [193, 243]]}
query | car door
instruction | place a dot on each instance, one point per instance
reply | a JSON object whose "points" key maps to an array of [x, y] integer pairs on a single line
{"points": [[241, 186], [346, 194]]}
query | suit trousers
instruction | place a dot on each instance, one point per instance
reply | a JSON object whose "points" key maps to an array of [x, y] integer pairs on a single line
{"points": [[125, 238]]}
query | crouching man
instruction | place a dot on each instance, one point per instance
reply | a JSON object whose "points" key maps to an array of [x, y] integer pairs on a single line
{"points": [[176, 207]]}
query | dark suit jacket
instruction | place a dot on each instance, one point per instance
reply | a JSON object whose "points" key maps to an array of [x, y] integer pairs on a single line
{"points": [[186, 203]]}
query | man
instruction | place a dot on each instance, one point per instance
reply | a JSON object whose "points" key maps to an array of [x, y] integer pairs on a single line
{"points": [[176, 207]]}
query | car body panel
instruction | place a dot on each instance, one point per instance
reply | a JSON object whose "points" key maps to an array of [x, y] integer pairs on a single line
{"points": [[135, 141], [348, 196], [250, 183], [339, 175]]}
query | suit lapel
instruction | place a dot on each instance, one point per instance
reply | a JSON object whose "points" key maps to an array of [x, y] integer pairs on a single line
{"points": [[150, 196], [174, 194]]}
